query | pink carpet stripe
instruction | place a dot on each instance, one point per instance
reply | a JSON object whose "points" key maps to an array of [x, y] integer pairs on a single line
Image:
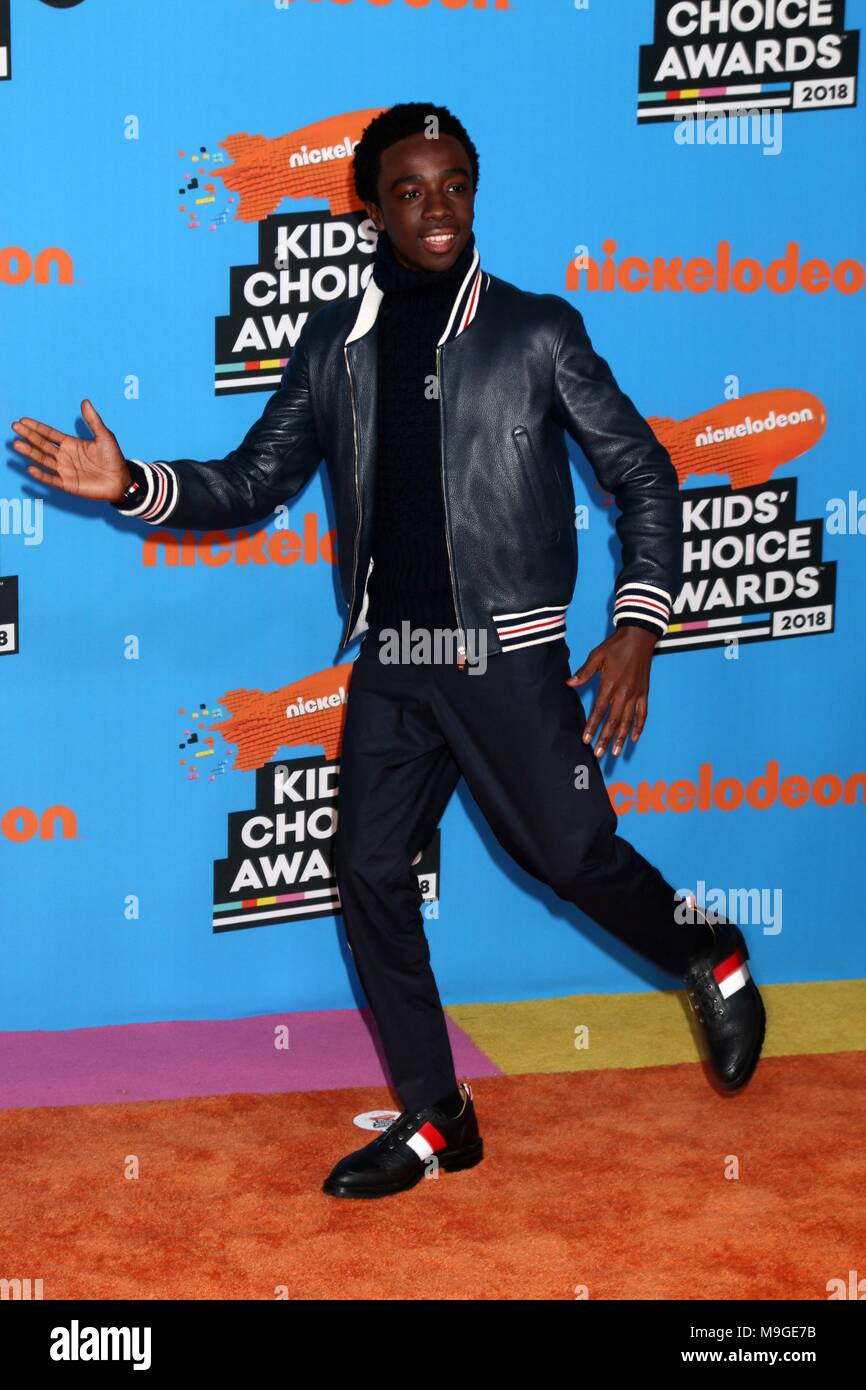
{"points": [[166, 1061]]}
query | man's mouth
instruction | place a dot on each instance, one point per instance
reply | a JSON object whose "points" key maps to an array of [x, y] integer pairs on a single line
{"points": [[439, 241]]}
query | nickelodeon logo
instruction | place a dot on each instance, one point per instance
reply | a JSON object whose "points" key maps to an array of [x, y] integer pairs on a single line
{"points": [[705, 793], [309, 712], [218, 548], [745, 439], [699, 274], [20, 824], [17, 266], [314, 161]]}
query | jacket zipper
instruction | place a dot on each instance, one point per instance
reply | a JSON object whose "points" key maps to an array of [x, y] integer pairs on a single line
{"points": [[349, 623], [461, 650]]}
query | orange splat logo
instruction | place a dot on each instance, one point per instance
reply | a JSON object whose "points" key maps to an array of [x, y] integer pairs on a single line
{"points": [[745, 440], [314, 161], [309, 711]]}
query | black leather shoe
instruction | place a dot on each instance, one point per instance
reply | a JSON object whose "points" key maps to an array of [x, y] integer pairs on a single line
{"points": [[727, 1003], [399, 1157]]}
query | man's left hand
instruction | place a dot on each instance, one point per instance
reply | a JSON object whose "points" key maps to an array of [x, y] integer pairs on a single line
{"points": [[624, 662]]}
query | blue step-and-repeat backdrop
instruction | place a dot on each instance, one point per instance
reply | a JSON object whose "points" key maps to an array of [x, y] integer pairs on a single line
{"points": [[177, 199]]}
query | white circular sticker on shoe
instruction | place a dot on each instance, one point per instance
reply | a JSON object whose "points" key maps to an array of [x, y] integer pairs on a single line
{"points": [[375, 1119]]}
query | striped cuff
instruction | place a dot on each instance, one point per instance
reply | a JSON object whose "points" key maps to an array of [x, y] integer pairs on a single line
{"points": [[160, 492], [531, 625], [643, 603]]}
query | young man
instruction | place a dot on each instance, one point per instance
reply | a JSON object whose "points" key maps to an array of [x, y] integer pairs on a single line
{"points": [[439, 398]]}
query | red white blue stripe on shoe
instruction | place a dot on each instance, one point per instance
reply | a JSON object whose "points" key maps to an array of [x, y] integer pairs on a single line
{"points": [[731, 974], [426, 1141]]}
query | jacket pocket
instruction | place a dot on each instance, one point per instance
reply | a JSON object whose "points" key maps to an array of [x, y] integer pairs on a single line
{"points": [[539, 486]]}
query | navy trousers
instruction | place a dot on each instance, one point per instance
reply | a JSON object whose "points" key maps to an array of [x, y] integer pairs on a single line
{"points": [[514, 733]]}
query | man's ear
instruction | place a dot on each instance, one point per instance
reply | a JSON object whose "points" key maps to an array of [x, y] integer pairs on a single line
{"points": [[374, 212]]}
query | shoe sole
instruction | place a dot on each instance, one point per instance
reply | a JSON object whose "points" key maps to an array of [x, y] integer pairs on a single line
{"points": [[452, 1162]]}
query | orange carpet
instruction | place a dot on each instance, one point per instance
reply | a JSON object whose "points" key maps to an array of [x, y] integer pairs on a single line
{"points": [[615, 1181]]}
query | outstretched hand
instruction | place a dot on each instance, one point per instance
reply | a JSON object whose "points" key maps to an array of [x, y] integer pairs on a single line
{"points": [[624, 662], [94, 468]]}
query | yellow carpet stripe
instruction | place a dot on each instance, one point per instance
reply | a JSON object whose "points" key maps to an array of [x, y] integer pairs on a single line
{"points": [[655, 1029]]}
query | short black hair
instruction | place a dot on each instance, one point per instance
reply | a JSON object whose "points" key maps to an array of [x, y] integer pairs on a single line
{"points": [[406, 118]]}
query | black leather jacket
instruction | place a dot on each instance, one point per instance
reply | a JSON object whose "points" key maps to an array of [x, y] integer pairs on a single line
{"points": [[516, 370]]}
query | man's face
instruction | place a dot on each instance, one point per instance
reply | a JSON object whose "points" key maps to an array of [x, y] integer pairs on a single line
{"points": [[427, 202]]}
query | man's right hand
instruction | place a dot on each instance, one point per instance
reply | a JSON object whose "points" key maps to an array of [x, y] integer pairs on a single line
{"points": [[94, 468]]}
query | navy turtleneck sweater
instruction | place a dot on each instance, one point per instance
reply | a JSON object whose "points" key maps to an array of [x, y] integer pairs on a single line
{"points": [[411, 578]]}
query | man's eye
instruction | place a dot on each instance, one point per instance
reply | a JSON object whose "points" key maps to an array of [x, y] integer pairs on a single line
{"points": [[461, 186]]}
